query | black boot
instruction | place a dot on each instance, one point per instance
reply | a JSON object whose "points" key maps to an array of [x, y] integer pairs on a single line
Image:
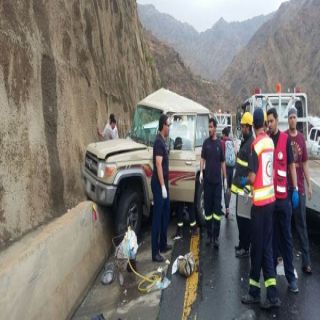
{"points": [[209, 240], [179, 232]]}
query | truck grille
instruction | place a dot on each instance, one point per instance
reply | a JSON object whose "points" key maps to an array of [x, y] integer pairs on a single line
{"points": [[91, 163]]}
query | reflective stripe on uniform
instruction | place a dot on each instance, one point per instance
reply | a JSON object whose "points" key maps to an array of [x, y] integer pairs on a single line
{"points": [[281, 189], [270, 282], [236, 189], [263, 193], [208, 218], [254, 283], [180, 224], [263, 145], [242, 163], [216, 217], [282, 173], [192, 224], [240, 191]]}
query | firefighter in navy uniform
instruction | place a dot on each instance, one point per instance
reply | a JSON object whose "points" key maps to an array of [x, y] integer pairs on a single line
{"points": [[261, 178], [242, 170], [283, 160], [212, 160]]}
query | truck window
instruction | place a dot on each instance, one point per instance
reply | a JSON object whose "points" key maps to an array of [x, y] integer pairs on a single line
{"points": [[202, 133], [182, 132], [145, 125]]}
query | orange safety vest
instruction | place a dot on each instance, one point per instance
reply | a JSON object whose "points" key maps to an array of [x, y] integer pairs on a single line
{"points": [[263, 188]]}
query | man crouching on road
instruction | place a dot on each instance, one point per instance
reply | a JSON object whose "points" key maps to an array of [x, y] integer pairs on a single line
{"points": [[159, 186], [261, 179]]}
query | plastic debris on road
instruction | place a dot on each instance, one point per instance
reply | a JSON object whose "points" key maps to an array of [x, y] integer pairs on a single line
{"points": [[281, 272], [108, 274]]}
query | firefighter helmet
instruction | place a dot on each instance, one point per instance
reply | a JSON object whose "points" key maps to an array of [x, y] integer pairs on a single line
{"points": [[247, 119]]}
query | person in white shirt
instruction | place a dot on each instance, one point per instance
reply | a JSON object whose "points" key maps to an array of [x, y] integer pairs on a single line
{"points": [[110, 131]]}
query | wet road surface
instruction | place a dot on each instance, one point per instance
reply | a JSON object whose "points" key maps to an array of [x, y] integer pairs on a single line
{"points": [[223, 279]]}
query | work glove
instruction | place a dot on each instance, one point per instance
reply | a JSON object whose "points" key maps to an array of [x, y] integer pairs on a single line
{"points": [[164, 192], [201, 177], [295, 199], [243, 181]]}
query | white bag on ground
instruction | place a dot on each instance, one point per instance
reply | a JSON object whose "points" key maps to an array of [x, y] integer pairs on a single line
{"points": [[126, 250], [185, 265]]}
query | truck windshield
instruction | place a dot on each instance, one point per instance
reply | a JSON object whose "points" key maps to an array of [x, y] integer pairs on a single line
{"points": [[182, 132], [145, 125]]}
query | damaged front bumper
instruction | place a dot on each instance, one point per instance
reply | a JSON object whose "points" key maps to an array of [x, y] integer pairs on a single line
{"points": [[97, 191]]}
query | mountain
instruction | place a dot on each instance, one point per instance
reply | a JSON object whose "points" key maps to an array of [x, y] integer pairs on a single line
{"points": [[176, 76], [207, 53], [286, 49], [64, 67]]}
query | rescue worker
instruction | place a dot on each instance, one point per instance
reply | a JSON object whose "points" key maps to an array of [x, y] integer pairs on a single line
{"points": [[159, 186], [212, 159], [261, 178], [300, 156], [242, 170], [283, 159]]}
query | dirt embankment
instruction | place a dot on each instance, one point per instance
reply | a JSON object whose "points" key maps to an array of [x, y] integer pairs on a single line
{"points": [[64, 67]]}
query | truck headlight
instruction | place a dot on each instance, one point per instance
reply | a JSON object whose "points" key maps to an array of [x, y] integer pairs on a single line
{"points": [[106, 169]]}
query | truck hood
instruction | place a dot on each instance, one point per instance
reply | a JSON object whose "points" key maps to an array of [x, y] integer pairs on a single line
{"points": [[112, 147]]}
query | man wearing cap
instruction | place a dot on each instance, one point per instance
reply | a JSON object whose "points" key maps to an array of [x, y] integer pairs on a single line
{"points": [[242, 170], [283, 161], [300, 156], [261, 178]]}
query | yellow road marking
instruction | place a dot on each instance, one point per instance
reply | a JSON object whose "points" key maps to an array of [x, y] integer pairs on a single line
{"points": [[192, 282]]}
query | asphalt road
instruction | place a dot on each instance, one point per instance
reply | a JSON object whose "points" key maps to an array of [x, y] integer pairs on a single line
{"points": [[223, 279]]}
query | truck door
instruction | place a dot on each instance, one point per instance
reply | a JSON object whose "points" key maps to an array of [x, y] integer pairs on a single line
{"points": [[183, 158]]}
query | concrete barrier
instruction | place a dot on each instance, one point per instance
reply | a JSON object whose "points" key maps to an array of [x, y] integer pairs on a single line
{"points": [[45, 274]]}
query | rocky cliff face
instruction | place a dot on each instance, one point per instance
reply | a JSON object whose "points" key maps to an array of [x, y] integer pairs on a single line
{"points": [[65, 65], [285, 49], [177, 77], [208, 53]]}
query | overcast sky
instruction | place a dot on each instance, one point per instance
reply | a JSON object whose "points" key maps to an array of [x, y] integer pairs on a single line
{"points": [[202, 14]]}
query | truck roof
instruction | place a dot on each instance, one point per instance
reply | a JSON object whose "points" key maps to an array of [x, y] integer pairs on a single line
{"points": [[170, 102]]}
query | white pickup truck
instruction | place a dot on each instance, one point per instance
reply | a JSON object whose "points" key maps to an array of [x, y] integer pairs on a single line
{"points": [[313, 142]]}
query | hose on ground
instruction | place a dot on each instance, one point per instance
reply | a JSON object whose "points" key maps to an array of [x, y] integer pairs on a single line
{"points": [[148, 281]]}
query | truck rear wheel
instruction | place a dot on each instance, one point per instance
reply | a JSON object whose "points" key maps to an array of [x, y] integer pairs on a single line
{"points": [[200, 204], [129, 212]]}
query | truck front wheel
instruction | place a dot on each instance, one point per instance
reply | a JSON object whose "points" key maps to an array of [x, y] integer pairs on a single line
{"points": [[129, 212]]}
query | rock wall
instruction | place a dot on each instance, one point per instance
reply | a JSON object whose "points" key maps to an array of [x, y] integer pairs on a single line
{"points": [[65, 65]]}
